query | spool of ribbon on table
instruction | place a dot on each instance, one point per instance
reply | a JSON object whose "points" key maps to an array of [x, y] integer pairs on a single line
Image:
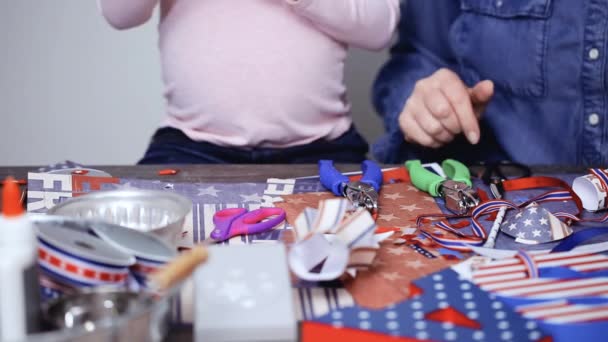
{"points": [[592, 189]]}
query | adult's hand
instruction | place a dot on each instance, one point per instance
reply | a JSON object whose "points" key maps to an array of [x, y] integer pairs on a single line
{"points": [[441, 107]]}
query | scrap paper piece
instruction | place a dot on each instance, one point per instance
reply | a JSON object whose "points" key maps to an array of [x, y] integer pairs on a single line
{"points": [[391, 275], [314, 332], [448, 309], [562, 292], [511, 276], [533, 225]]}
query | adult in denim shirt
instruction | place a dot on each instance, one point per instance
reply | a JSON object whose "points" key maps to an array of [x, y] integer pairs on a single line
{"points": [[545, 103]]}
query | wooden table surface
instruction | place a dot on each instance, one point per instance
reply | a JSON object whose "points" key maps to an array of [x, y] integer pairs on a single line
{"points": [[227, 174]]}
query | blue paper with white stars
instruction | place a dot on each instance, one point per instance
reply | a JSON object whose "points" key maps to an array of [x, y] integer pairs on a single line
{"points": [[442, 291]]}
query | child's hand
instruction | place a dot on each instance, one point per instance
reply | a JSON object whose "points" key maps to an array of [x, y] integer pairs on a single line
{"points": [[442, 106]]}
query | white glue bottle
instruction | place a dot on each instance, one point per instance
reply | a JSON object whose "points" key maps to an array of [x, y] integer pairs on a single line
{"points": [[19, 286]]}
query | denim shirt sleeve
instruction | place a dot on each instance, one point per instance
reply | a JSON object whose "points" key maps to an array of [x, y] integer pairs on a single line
{"points": [[392, 88], [422, 49]]}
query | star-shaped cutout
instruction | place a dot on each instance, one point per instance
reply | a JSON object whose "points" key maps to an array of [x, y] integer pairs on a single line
{"points": [[536, 233], [233, 290], [543, 221], [527, 222], [521, 235], [251, 198], [125, 186], [410, 208], [391, 276], [396, 251], [512, 226], [317, 193], [387, 217], [415, 264], [210, 191], [393, 196], [532, 210], [296, 200]]}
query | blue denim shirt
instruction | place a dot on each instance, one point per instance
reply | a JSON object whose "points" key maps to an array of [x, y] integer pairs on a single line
{"points": [[547, 59]]}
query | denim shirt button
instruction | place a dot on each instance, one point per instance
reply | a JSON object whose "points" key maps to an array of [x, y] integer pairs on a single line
{"points": [[594, 54], [593, 119]]}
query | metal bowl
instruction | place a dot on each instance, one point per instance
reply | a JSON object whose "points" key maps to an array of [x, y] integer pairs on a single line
{"points": [[159, 212], [104, 314]]}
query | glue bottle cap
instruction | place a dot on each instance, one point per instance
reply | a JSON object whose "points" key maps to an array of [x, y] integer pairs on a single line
{"points": [[11, 198]]}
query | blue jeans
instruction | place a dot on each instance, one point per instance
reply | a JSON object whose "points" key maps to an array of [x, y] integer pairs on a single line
{"points": [[172, 146]]}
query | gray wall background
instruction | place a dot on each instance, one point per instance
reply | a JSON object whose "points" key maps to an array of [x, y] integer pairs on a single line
{"points": [[71, 87]]}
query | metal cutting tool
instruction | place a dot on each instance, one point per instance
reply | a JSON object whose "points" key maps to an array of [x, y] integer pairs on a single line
{"points": [[361, 193], [456, 190]]}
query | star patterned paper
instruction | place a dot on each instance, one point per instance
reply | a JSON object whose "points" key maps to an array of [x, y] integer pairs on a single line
{"points": [[395, 266], [535, 224], [448, 309]]}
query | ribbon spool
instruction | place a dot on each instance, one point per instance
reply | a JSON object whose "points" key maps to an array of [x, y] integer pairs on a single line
{"points": [[592, 189], [151, 253], [70, 260]]}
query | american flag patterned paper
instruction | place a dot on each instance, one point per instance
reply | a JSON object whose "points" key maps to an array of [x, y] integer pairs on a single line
{"points": [[533, 225]]}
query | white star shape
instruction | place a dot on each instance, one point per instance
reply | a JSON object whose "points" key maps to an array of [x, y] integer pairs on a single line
{"points": [[543, 221], [429, 199], [393, 196], [387, 217], [410, 208], [412, 188], [521, 235], [536, 233], [513, 226], [391, 276], [251, 198], [527, 222], [233, 290], [396, 251], [532, 209], [408, 230], [210, 191], [519, 215], [295, 200], [125, 186], [416, 264]]}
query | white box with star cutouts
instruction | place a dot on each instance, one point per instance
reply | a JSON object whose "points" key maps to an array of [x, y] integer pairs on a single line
{"points": [[243, 293]]}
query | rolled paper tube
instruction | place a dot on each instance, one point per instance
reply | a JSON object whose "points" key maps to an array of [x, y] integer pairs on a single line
{"points": [[592, 191]]}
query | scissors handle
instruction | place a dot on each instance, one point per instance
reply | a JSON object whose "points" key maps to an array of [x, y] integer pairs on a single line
{"points": [[238, 221]]}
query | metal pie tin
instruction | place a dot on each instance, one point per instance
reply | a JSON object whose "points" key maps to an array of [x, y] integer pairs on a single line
{"points": [[159, 212]]}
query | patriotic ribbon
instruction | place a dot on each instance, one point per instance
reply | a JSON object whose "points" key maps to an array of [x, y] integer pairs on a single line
{"points": [[456, 240], [76, 271]]}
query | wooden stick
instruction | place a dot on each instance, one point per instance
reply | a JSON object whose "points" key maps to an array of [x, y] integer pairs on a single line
{"points": [[178, 269]]}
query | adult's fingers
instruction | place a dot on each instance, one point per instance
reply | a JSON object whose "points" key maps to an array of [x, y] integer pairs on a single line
{"points": [[441, 109], [412, 130], [481, 94], [456, 92]]}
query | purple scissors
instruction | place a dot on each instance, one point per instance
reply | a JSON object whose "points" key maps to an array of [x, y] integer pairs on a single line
{"points": [[239, 221]]}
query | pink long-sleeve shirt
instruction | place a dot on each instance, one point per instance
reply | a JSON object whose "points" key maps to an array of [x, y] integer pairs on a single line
{"points": [[258, 73]]}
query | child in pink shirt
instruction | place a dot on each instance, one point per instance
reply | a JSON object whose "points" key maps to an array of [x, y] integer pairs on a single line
{"points": [[257, 81]]}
